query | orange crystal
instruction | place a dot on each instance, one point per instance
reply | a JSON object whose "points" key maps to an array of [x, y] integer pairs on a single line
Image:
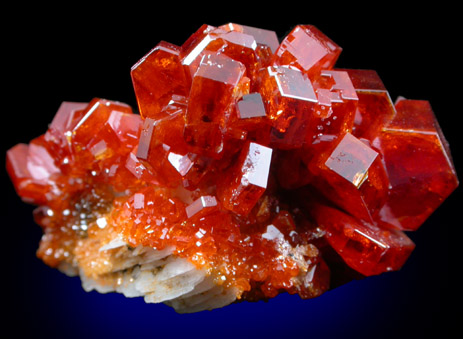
{"points": [[257, 161]]}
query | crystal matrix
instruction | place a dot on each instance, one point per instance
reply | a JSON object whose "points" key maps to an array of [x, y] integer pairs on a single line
{"points": [[254, 168]]}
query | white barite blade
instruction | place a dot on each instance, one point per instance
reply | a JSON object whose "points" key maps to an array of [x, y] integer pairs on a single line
{"points": [[183, 303], [154, 255], [158, 276], [115, 243], [215, 298], [174, 268], [126, 286], [175, 287], [89, 284], [203, 286]]}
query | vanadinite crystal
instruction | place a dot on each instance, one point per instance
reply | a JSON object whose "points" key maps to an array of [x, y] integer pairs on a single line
{"points": [[254, 161]]}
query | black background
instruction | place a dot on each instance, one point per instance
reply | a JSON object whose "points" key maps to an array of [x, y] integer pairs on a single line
{"points": [[55, 54]]}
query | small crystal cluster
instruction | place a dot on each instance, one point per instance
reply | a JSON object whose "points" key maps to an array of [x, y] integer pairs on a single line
{"points": [[258, 161]]}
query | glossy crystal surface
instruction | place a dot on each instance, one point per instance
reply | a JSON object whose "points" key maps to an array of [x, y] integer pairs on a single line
{"points": [[257, 161], [307, 49], [414, 140]]}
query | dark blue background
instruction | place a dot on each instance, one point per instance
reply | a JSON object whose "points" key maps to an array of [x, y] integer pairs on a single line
{"points": [[75, 55]]}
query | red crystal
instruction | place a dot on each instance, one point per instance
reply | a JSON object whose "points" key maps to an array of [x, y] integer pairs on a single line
{"points": [[163, 64], [263, 37], [353, 177], [247, 180], [250, 106], [335, 110], [290, 99], [201, 206], [375, 108], [365, 247], [211, 95], [259, 162], [419, 165], [29, 188], [308, 49]]}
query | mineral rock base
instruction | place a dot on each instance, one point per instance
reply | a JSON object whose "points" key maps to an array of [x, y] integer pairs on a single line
{"points": [[254, 167]]}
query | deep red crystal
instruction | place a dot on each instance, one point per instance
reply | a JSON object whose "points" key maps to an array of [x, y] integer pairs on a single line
{"points": [[419, 165]]}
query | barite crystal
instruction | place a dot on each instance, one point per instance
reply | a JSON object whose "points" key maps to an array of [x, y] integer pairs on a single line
{"points": [[253, 168]]}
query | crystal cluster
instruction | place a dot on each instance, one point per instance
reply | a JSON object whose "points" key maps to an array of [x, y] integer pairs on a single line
{"points": [[256, 160]]}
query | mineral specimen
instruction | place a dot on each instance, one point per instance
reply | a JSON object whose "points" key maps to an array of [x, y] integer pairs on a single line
{"points": [[254, 168]]}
